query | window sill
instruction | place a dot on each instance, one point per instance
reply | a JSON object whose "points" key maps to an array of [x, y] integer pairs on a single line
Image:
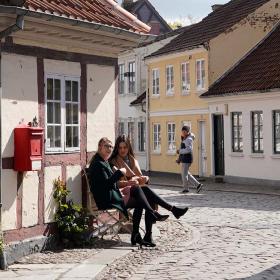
{"points": [[276, 156], [236, 154], [156, 153], [127, 94], [170, 94], [140, 153], [185, 93], [171, 153], [155, 96], [257, 155], [59, 153]]}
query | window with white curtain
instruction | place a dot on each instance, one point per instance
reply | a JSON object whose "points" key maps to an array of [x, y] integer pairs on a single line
{"points": [[171, 137], [185, 78], [169, 80], [62, 113], [155, 79], [156, 138], [200, 74]]}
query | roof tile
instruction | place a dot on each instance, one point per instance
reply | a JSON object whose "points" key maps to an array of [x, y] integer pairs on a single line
{"points": [[211, 26], [258, 71], [95, 11]]}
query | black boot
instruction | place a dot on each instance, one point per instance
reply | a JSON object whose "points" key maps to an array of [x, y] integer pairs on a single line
{"points": [[158, 217], [149, 240], [137, 239], [178, 212]]}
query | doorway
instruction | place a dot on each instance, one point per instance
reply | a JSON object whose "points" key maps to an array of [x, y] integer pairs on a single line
{"points": [[218, 131]]}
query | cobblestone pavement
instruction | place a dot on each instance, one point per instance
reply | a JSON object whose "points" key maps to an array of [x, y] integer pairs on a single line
{"points": [[235, 236]]}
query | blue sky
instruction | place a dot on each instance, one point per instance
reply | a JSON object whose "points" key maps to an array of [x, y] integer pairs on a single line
{"points": [[184, 10]]}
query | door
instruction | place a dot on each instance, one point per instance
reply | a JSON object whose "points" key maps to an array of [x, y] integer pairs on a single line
{"points": [[202, 150], [218, 124]]}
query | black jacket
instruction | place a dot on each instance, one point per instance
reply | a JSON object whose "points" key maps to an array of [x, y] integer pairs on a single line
{"points": [[103, 182]]}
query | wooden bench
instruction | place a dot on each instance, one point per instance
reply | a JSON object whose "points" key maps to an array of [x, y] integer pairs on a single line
{"points": [[108, 221]]}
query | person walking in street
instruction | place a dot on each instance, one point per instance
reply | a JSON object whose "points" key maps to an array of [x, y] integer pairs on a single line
{"points": [[186, 159]]}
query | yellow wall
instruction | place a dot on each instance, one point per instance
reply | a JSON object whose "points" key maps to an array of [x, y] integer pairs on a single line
{"points": [[229, 47], [178, 107], [165, 162], [177, 101]]}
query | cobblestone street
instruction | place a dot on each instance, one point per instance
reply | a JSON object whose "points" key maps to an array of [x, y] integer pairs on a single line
{"points": [[234, 236]]}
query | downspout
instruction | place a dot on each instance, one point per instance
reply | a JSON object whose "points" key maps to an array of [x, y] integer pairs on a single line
{"points": [[3, 34], [148, 121]]}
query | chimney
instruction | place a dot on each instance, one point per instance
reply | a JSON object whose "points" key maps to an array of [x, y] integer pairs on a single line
{"points": [[126, 4], [216, 7], [155, 27]]}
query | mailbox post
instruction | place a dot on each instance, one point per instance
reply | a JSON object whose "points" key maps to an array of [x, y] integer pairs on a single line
{"points": [[28, 143]]}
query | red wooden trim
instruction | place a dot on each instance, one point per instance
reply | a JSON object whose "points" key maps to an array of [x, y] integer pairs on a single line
{"points": [[83, 131], [19, 199], [24, 233], [57, 55]]}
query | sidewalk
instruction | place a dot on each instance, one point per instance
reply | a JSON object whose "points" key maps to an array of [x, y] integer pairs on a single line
{"points": [[174, 180]]}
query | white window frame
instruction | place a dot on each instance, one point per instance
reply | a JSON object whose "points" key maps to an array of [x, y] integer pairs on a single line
{"points": [[155, 82], [171, 130], [128, 78], [157, 139], [200, 74], [185, 77], [122, 76], [169, 80], [63, 148], [141, 137]]}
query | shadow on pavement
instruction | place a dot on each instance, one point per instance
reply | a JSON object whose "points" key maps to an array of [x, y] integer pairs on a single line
{"points": [[272, 273]]}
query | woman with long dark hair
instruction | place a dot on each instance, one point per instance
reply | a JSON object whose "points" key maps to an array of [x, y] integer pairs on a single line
{"points": [[106, 192], [123, 157]]}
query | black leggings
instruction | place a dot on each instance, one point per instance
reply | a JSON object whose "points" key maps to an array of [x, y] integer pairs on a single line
{"points": [[144, 198]]}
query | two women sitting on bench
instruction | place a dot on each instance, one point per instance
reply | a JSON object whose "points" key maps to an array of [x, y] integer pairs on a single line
{"points": [[125, 187]]}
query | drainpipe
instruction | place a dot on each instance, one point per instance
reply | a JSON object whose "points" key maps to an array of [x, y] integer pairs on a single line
{"points": [[3, 34]]}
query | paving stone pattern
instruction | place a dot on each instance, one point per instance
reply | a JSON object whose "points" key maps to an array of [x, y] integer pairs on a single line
{"points": [[235, 236]]}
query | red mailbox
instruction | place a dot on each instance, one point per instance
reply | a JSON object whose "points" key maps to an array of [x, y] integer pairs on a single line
{"points": [[28, 148]]}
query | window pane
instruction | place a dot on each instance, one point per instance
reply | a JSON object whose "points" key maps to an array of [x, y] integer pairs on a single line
{"points": [[235, 119], [277, 145], [50, 109], [50, 89], [256, 145], [50, 136], [277, 118], [277, 132], [57, 112], [261, 144], [261, 131], [68, 113], [75, 91], [75, 113], [57, 89], [235, 132], [68, 90], [68, 136], [241, 144], [235, 145], [75, 136], [261, 118], [256, 132], [57, 139]]}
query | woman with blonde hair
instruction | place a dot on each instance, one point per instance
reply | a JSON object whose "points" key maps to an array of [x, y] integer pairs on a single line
{"points": [[123, 157], [107, 195]]}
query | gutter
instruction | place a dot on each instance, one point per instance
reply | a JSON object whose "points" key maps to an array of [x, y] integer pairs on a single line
{"points": [[74, 22], [3, 34]]}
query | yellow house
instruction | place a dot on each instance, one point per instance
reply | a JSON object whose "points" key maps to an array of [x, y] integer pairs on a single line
{"points": [[175, 83], [182, 70]]}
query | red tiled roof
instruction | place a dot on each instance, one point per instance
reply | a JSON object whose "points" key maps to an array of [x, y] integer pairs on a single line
{"points": [[139, 100], [95, 11], [211, 26], [258, 71]]}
